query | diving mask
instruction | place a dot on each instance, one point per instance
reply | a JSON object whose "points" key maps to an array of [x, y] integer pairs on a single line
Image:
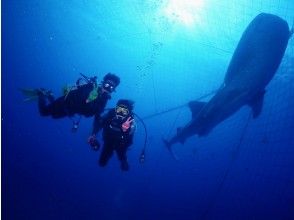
{"points": [[108, 86], [122, 111]]}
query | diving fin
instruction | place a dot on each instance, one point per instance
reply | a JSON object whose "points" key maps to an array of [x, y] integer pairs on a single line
{"points": [[30, 94], [256, 104], [33, 94], [196, 107]]}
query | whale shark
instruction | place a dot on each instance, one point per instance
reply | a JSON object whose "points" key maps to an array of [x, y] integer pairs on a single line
{"points": [[253, 65]]}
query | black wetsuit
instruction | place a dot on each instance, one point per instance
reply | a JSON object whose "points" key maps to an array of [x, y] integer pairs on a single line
{"points": [[114, 139], [74, 103]]}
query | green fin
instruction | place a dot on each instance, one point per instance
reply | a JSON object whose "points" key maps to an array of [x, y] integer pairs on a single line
{"points": [[30, 94]]}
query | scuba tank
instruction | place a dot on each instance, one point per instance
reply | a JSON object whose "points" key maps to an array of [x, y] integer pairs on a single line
{"points": [[92, 95], [87, 80]]}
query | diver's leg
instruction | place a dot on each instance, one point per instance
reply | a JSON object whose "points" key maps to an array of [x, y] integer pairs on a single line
{"points": [[106, 154], [55, 108], [44, 108], [122, 156]]}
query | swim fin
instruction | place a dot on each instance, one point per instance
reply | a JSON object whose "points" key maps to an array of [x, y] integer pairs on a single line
{"points": [[30, 94], [33, 94]]}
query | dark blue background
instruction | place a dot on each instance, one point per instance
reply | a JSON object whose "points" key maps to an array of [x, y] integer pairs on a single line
{"points": [[165, 56]]}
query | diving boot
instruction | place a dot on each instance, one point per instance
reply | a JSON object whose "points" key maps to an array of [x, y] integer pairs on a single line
{"points": [[46, 93]]}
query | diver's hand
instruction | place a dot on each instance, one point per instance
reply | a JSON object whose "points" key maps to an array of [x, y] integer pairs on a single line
{"points": [[93, 142], [127, 124]]}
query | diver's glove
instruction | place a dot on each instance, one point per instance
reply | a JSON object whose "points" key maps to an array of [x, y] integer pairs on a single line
{"points": [[94, 143]]}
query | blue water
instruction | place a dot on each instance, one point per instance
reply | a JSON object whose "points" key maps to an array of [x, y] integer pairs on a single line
{"points": [[166, 53]]}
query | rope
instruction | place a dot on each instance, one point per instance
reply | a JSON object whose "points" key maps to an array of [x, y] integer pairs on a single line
{"points": [[154, 93], [163, 112], [174, 124], [212, 203], [177, 107]]}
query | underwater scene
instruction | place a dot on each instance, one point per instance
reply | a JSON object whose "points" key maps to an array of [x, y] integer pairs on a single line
{"points": [[147, 109]]}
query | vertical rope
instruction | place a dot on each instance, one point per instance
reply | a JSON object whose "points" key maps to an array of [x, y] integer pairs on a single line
{"points": [[154, 96], [220, 187], [174, 124]]}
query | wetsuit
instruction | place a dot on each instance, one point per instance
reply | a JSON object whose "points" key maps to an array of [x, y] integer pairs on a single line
{"points": [[74, 103], [114, 139]]}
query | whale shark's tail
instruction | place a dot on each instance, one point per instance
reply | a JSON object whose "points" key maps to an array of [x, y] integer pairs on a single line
{"points": [[169, 147]]}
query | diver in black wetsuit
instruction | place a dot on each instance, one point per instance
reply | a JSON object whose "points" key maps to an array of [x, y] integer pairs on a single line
{"points": [[118, 130], [88, 99]]}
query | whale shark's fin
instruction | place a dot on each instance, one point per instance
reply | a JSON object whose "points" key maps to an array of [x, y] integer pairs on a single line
{"points": [[196, 107], [169, 147], [256, 104]]}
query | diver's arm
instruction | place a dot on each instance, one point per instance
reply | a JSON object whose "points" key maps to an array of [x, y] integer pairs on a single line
{"points": [[92, 140], [98, 120], [101, 121], [97, 124]]}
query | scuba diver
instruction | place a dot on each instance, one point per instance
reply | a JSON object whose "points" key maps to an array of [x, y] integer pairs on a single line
{"points": [[85, 99], [118, 130]]}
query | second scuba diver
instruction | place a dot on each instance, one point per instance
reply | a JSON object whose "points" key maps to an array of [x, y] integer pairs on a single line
{"points": [[88, 99], [118, 131]]}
